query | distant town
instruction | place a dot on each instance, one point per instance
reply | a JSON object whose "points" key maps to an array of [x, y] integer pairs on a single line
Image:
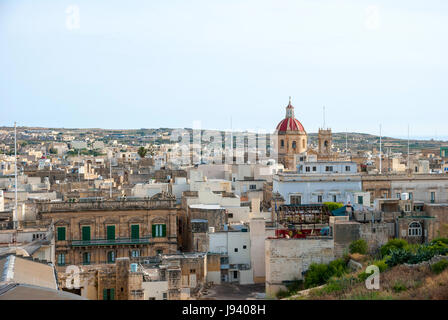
{"points": [[295, 215]]}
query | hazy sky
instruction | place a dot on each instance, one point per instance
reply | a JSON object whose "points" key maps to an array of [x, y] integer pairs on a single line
{"points": [[167, 63]]}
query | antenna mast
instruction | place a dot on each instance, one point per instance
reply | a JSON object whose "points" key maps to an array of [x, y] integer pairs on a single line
{"points": [[15, 165], [324, 117], [380, 152], [408, 146]]}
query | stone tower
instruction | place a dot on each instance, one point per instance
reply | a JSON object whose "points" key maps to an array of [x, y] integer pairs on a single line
{"points": [[324, 142]]}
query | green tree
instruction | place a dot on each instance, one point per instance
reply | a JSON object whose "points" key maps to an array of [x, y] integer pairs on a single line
{"points": [[358, 246], [142, 152]]}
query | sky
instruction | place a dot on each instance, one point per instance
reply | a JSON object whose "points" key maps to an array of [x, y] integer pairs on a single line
{"points": [[226, 63]]}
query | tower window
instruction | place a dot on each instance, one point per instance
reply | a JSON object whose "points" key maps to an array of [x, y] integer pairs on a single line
{"points": [[294, 145], [303, 143], [282, 143]]}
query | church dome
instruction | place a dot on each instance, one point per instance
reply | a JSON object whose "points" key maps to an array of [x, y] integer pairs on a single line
{"points": [[290, 123]]}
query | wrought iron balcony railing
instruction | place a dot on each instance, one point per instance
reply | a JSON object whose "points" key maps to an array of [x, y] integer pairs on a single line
{"points": [[108, 242]]}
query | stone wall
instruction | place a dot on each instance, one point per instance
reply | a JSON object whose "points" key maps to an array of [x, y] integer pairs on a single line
{"points": [[289, 259]]}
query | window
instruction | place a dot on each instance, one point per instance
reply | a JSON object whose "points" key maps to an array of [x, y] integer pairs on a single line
{"points": [[192, 270], [253, 187], [235, 274], [61, 233], [314, 168], [111, 257], [398, 196], [165, 296], [410, 195], [407, 207], [329, 168], [244, 247], [159, 251], [159, 230], [307, 169], [319, 198], [282, 143], [415, 229], [110, 232], [303, 143], [61, 259], [347, 168], [230, 215], [433, 197], [135, 231], [295, 199], [294, 145], [236, 250], [108, 294], [360, 200], [85, 233], [334, 198], [135, 253], [86, 258]]}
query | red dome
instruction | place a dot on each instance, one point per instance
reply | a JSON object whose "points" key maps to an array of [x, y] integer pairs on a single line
{"points": [[290, 123]]}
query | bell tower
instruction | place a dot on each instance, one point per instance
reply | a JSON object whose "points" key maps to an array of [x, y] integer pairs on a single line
{"points": [[325, 142]]}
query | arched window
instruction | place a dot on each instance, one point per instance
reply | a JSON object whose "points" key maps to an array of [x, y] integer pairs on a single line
{"points": [[415, 229], [303, 143], [326, 143], [282, 143], [294, 145]]}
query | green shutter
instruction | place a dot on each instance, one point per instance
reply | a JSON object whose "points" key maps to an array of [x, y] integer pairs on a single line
{"points": [[104, 294], [86, 233], [112, 294], [154, 230], [135, 231], [110, 232], [163, 230], [61, 233]]}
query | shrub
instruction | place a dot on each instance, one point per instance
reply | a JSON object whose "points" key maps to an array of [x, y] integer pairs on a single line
{"points": [[358, 246], [393, 245], [282, 294], [439, 266], [381, 264], [399, 287], [423, 253], [333, 205], [320, 273], [364, 275], [398, 256], [442, 240]]}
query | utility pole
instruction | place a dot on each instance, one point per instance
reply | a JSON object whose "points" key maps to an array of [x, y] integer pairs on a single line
{"points": [[408, 147], [324, 117], [380, 152], [346, 143], [15, 172]]}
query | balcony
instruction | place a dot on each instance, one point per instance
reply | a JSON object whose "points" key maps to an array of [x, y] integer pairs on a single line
{"points": [[110, 242]]}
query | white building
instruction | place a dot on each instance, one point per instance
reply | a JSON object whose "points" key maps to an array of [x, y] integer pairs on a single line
{"points": [[78, 144], [319, 182], [235, 245]]}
